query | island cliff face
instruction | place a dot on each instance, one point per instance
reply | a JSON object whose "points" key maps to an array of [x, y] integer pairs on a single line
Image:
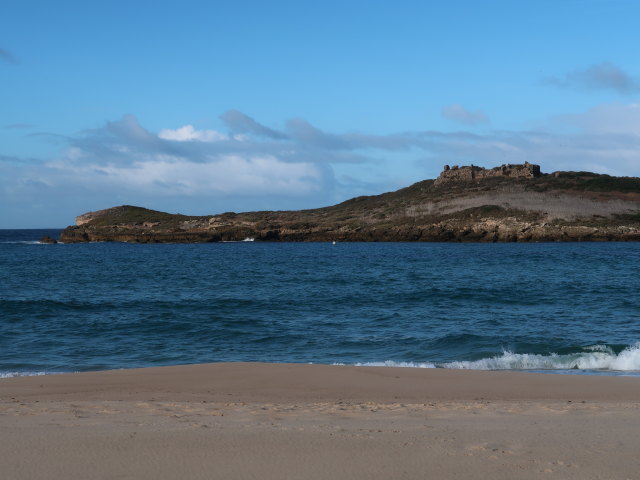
{"points": [[510, 203]]}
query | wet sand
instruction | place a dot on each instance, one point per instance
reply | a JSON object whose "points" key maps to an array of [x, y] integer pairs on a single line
{"points": [[284, 421]]}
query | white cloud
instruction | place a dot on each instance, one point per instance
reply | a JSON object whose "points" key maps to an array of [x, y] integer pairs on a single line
{"points": [[188, 134]]}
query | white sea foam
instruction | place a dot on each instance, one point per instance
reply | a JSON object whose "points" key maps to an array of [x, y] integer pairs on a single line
{"points": [[391, 363], [24, 242], [21, 374], [247, 239]]}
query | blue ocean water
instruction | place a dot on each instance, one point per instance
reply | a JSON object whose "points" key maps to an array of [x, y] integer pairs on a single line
{"points": [[569, 307]]}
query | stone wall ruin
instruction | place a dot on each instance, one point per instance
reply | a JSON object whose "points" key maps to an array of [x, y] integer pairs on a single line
{"points": [[472, 172]]}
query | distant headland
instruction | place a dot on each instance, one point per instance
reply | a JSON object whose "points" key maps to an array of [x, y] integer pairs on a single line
{"points": [[509, 203]]}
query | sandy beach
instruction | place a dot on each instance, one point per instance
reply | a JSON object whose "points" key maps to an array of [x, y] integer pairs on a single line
{"points": [[290, 421]]}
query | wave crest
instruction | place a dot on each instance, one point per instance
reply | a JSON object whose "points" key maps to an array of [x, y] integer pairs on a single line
{"points": [[595, 357]]}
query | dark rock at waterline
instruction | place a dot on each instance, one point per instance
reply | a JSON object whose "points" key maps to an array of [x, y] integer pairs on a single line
{"points": [[48, 239]]}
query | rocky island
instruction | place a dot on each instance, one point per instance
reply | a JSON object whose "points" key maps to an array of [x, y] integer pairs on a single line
{"points": [[510, 203]]}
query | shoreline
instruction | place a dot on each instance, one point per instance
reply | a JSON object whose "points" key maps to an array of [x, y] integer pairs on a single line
{"points": [[562, 371], [273, 421], [260, 381]]}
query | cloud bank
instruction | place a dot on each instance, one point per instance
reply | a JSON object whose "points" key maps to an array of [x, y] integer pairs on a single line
{"points": [[608, 119], [253, 167]]}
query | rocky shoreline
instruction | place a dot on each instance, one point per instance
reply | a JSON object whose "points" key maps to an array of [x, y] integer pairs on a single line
{"points": [[487, 230]]}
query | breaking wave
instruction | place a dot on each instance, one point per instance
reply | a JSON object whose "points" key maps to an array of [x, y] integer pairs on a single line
{"points": [[595, 357]]}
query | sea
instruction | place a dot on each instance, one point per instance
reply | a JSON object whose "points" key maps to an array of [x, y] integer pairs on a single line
{"points": [[571, 308]]}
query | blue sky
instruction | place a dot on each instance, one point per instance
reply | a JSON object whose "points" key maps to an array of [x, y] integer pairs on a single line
{"points": [[206, 107]]}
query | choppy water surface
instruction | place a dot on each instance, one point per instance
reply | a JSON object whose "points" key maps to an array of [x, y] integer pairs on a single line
{"points": [[561, 307]]}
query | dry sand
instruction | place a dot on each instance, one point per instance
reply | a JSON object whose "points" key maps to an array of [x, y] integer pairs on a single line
{"points": [[279, 421]]}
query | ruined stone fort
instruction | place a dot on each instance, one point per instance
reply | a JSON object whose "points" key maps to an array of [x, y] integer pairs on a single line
{"points": [[465, 173]]}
